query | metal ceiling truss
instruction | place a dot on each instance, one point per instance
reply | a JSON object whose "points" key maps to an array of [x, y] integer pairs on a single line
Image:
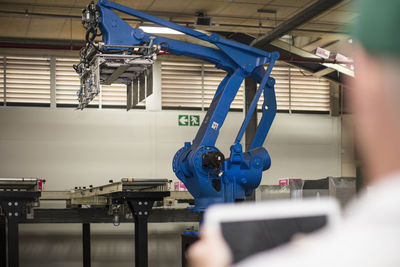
{"points": [[299, 19]]}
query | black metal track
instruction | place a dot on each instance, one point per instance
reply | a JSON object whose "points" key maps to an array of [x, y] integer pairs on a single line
{"points": [[100, 215]]}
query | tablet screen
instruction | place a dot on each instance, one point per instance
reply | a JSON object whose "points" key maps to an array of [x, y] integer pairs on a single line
{"points": [[246, 238]]}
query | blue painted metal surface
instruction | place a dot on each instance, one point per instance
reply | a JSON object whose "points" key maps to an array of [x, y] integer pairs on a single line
{"points": [[238, 175]]}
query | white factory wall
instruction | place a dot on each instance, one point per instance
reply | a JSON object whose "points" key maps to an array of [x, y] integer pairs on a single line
{"points": [[78, 148]]}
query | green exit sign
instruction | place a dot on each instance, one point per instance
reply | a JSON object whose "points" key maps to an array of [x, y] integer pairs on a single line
{"points": [[183, 120], [189, 120], [194, 120]]}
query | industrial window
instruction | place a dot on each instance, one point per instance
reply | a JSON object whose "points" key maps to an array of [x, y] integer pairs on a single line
{"points": [[67, 82], [308, 93], [27, 80], [297, 90], [192, 85], [185, 84]]}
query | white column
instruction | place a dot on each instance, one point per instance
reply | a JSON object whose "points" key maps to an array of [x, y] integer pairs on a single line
{"points": [[153, 102], [53, 82]]}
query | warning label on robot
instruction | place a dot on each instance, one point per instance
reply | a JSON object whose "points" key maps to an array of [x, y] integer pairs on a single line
{"points": [[186, 120]]}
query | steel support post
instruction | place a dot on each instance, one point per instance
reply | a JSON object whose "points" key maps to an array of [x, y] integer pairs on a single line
{"points": [[13, 210], [13, 242], [250, 92], [3, 242], [140, 211], [86, 244], [14, 207]]}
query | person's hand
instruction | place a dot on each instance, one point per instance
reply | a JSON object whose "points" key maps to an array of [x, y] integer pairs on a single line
{"points": [[210, 251]]}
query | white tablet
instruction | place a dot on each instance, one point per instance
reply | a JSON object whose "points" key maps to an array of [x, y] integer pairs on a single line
{"points": [[249, 228]]}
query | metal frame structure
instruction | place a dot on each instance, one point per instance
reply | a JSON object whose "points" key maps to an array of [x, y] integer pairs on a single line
{"points": [[14, 205], [105, 69], [140, 204], [18, 196], [297, 20]]}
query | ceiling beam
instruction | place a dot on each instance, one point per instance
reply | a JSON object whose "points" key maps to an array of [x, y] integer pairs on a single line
{"points": [[317, 69], [299, 19], [49, 44], [64, 44], [300, 58], [323, 72], [307, 55]]}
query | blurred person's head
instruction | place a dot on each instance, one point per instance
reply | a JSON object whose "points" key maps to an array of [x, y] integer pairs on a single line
{"points": [[375, 91]]}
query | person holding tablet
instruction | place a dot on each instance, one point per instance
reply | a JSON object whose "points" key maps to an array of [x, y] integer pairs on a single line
{"points": [[369, 235]]}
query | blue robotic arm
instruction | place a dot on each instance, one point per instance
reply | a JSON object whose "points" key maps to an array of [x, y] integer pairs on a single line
{"points": [[208, 176]]}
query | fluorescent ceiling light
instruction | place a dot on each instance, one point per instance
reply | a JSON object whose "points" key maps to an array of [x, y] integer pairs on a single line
{"points": [[159, 30]]}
